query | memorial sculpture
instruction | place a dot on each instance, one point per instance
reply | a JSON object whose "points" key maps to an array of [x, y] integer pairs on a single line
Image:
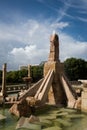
{"points": [[54, 88]]}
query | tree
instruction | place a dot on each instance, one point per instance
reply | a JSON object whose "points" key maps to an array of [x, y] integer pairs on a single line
{"points": [[22, 73], [36, 72], [16, 76], [75, 68], [12, 77]]}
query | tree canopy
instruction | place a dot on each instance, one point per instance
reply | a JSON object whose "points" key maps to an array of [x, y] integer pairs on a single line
{"points": [[18, 75], [75, 68]]}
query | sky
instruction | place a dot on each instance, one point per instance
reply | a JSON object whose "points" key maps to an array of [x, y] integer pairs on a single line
{"points": [[26, 26]]}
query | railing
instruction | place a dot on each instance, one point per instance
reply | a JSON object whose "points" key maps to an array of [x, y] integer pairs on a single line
{"points": [[15, 88]]}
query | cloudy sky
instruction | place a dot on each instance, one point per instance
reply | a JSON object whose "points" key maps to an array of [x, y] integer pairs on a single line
{"points": [[26, 26]]}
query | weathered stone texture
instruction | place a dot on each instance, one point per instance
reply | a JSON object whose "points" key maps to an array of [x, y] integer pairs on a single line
{"points": [[53, 63], [84, 100], [57, 90], [54, 48], [21, 109], [53, 71]]}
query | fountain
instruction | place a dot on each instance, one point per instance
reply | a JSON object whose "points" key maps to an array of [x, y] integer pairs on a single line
{"points": [[53, 98], [54, 89]]}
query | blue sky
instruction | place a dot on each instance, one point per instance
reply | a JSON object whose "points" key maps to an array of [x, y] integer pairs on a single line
{"points": [[26, 26]]}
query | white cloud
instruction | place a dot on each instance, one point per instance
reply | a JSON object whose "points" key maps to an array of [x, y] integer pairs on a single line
{"points": [[60, 25], [70, 47], [81, 4], [28, 43], [29, 54], [82, 19]]}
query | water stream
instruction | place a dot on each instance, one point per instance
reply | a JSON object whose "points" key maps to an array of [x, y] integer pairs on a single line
{"points": [[51, 119]]}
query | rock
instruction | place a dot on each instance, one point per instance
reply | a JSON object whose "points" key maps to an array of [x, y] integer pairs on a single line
{"points": [[78, 103], [2, 117], [24, 123], [33, 119]]}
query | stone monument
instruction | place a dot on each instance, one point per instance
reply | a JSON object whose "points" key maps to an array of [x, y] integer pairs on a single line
{"points": [[56, 94], [54, 88]]}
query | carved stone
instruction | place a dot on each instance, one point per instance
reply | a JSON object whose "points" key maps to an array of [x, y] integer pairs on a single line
{"points": [[54, 48], [54, 88], [56, 93]]}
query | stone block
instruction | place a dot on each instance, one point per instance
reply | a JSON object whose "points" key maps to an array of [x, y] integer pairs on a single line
{"points": [[84, 101], [54, 65], [84, 95]]}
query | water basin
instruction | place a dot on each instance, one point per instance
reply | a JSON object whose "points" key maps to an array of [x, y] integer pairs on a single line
{"points": [[52, 119]]}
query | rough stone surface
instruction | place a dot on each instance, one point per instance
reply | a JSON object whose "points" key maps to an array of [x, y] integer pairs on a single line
{"points": [[4, 81], [33, 119], [78, 103], [20, 109], [2, 117], [56, 94], [59, 88], [53, 71], [54, 48], [84, 100]]}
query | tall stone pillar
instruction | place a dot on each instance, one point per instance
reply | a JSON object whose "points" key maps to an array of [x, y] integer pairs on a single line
{"points": [[4, 81], [56, 94], [54, 48], [29, 70]]}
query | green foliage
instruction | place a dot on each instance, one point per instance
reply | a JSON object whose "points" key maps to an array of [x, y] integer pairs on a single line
{"points": [[36, 72], [75, 68], [22, 73], [17, 76]]}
